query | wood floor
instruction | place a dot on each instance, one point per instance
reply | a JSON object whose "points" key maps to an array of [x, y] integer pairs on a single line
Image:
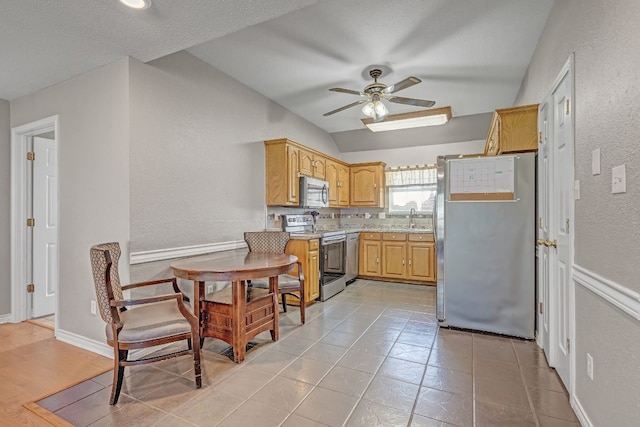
{"points": [[34, 364]]}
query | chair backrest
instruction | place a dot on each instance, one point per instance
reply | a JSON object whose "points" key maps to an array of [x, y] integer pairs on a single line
{"points": [[266, 241], [102, 256]]}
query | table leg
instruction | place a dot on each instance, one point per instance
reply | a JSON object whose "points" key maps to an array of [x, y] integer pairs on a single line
{"points": [[238, 322], [273, 288], [198, 294]]}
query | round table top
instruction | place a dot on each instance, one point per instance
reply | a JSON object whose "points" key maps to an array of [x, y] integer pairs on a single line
{"points": [[234, 267]]}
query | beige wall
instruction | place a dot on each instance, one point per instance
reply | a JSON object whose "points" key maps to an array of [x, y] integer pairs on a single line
{"points": [[5, 209], [93, 154], [197, 153], [604, 36]]}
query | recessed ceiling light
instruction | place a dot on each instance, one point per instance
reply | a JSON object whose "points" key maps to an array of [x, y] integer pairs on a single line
{"points": [[136, 4]]}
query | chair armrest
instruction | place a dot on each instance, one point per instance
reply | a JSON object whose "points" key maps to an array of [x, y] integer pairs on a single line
{"points": [[172, 280], [146, 300], [149, 283], [300, 273]]}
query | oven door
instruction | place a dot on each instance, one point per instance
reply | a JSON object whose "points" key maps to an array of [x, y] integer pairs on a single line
{"points": [[332, 267], [334, 258]]}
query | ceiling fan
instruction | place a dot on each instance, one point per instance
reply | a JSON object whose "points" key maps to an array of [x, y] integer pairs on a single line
{"points": [[374, 93]]}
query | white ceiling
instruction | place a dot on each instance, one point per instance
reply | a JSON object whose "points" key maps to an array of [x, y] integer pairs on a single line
{"points": [[469, 54]]}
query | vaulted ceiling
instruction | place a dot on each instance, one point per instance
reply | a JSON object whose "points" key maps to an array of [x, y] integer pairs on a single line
{"points": [[469, 54]]}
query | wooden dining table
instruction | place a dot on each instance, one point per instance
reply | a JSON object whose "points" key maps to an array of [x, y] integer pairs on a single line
{"points": [[235, 314]]}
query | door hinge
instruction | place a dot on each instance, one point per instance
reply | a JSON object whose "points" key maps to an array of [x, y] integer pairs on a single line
{"points": [[567, 104], [568, 345], [540, 137], [567, 225], [31, 288], [31, 155], [31, 222], [540, 222], [541, 308]]}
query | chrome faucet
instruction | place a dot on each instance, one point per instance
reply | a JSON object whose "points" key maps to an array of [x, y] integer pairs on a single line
{"points": [[412, 214]]}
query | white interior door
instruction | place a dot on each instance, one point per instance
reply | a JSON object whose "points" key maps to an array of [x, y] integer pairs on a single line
{"points": [[45, 231], [562, 215], [544, 307]]}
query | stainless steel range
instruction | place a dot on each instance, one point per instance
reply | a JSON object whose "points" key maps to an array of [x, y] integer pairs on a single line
{"points": [[333, 253]]}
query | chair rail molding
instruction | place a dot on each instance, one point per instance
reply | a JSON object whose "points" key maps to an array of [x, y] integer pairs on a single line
{"points": [[620, 296], [184, 251]]}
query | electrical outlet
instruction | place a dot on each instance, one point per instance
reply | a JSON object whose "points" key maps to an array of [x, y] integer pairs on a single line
{"points": [[619, 179], [590, 366], [210, 288], [93, 307]]}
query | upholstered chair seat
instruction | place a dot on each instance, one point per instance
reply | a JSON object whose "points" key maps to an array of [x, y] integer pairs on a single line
{"points": [[161, 320]]}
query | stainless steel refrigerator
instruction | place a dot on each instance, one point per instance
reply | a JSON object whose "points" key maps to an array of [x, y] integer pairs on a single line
{"points": [[485, 237]]}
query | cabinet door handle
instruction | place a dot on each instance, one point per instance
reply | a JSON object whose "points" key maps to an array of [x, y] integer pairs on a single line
{"points": [[377, 260], [403, 261], [409, 262]]}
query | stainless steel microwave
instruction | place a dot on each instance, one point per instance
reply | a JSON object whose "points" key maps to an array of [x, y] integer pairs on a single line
{"points": [[314, 193]]}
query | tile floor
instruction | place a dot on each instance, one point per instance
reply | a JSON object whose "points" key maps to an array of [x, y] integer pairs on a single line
{"points": [[371, 356]]}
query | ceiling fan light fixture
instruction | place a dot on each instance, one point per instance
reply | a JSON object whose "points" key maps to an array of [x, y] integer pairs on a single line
{"points": [[136, 4], [369, 109], [380, 109], [433, 117]]}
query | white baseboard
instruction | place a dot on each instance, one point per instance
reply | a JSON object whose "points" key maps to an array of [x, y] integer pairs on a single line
{"points": [[102, 348], [99, 347], [580, 412], [5, 318], [185, 251], [623, 298]]}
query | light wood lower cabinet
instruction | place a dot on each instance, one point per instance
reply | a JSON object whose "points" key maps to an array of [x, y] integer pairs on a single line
{"points": [[370, 253], [398, 256], [308, 253]]}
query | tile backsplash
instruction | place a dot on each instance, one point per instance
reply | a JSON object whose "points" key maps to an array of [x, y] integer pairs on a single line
{"points": [[352, 218]]}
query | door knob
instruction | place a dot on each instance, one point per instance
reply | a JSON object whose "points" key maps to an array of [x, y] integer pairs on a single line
{"points": [[541, 242], [552, 244]]}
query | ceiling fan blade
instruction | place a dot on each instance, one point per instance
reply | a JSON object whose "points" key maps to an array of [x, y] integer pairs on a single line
{"points": [[411, 101], [337, 110], [403, 84], [349, 91]]}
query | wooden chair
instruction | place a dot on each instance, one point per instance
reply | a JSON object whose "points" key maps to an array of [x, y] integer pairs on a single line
{"points": [[276, 242], [153, 321]]}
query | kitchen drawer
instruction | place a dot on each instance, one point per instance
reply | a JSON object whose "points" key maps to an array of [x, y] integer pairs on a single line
{"points": [[370, 236], [313, 244], [421, 237], [396, 237]]}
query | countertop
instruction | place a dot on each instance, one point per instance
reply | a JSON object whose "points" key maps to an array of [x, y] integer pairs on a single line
{"points": [[317, 235]]}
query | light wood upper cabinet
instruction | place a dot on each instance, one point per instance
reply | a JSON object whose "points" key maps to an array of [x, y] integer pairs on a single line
{"points": [[338, 178], [343, 185], [306, 162], [357, 185], [282, 172], [332, 178], [513, 130], [312, 164], [367, 185]]}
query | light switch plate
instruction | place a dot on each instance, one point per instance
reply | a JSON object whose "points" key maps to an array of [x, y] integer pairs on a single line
{"points": [[595, 162], [576, 189], [619, 179]]}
